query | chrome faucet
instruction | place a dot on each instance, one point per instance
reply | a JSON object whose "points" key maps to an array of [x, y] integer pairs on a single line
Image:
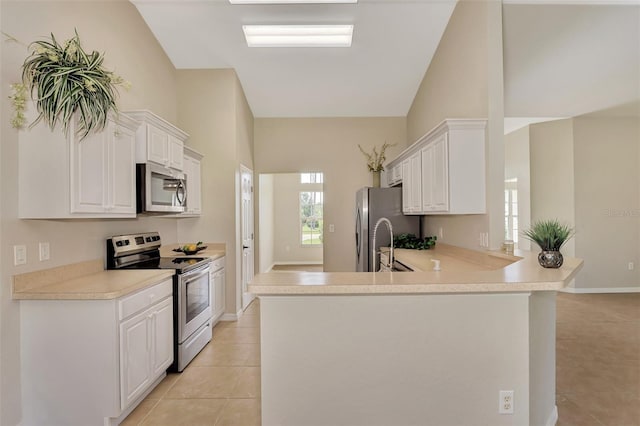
{"points": [[373, 250]]}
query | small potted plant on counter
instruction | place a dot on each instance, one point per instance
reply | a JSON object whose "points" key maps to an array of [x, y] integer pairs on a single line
{"points": [[550, 235]]}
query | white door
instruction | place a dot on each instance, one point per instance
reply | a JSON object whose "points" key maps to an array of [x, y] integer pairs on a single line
{"points": [[246, 180], [135, 344], [162, 340], [122, 169]]}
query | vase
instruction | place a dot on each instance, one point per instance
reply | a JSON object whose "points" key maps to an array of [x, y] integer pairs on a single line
{"points": [[550, 259], [376, 179]]}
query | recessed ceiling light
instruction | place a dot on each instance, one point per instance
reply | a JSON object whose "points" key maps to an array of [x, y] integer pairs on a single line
{"points": [[289, 1], [298, 35]]}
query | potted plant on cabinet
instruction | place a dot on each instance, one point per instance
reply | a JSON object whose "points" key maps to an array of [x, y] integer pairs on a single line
{"points": [[375, 161], [550, 236]]}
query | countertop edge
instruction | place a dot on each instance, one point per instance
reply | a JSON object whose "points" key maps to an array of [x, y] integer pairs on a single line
{"points": [[43, 294]]}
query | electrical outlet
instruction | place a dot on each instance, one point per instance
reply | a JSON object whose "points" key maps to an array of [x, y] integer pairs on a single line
{"points": [[440, 233], [631, 266], [332, 228], [506, 402], [19, 255], [44, 251]]}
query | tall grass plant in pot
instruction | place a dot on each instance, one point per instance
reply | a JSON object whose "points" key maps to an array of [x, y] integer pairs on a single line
{"points": [[550, 236]]}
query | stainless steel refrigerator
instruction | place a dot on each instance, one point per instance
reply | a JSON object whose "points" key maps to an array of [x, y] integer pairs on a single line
{"points": [[371, 205]]}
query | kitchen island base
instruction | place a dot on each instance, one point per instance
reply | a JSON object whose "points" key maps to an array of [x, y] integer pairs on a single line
{"points": [[408, 359]]}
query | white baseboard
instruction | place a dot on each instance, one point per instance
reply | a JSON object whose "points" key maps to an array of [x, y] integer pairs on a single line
{"points": [[298, 262], [601, 290], [553, 417], [229, 317]]}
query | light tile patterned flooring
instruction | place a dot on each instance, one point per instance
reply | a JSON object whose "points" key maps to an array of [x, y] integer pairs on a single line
{"points": [[598, 370], [598, 359], [220, 387]]}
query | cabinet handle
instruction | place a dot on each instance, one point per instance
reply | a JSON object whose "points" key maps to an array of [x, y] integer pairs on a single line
{"points": [[116, 132]]}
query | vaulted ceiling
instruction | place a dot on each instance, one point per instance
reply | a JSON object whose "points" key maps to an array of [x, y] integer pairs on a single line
{"points": [[561, 57]]}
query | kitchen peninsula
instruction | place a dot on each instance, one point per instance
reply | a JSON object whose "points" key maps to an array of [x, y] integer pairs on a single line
{"points": [[406, 348]]}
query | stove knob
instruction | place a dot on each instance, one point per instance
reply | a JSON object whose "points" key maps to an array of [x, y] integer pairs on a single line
{"points": [[118, 243], [126, 242]]}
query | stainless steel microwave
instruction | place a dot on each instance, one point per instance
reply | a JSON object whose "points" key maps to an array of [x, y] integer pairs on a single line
{"points": [[159, 189]]}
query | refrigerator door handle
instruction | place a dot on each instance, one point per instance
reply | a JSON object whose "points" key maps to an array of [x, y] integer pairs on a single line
{"points": [[358, 227]]}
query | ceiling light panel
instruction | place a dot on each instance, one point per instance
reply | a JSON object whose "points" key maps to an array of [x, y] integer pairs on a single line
{"points": [[298, 35], [289, 1]]}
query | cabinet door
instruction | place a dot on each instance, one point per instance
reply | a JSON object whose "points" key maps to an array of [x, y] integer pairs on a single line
{"points": [[440, 175], [218, 291], [162, 341], [122, 191], [88, 174], [176, 153], [194, 200], [406, 193], [416, 183], [427, 177], [157, 145], [135, 347]]}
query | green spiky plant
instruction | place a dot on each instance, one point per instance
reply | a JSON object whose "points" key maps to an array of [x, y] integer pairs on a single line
{"points": [[64, 80], [550, 235]]}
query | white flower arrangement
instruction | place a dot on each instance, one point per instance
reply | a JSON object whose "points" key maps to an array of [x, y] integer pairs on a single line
{"points": [[375, 160]]}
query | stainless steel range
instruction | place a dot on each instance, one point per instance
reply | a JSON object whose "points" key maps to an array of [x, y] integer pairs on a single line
{"points": [[191, 289]]}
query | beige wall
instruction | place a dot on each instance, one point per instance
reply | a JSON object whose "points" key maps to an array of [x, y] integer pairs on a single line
{"points": [[517, 166], [212, 109], [328, 145], [464, 80], [265, 223], [551, 148], [607, 201], [286, 241], [152, 76]]}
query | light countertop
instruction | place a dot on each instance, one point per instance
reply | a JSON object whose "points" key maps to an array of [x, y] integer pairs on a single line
{"points": [[84, 281], [89, 280], [463, 271], [213, 250]]}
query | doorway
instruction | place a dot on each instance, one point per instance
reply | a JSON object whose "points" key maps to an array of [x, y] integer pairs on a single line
{"points": [[291, 222], [246, 211]]}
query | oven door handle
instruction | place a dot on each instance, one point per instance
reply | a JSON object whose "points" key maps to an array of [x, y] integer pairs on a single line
{"points": [[196, 274]]}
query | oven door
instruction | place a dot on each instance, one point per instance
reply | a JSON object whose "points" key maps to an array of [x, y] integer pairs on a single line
{"points": [[160, 190], [194, 301]]}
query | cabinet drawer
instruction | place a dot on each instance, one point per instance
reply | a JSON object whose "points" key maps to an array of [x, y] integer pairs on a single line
{"points": [[217, 264], [129, 305]]}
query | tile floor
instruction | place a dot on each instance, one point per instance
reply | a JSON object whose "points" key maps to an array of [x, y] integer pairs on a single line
{"points": [[598, 359], [297, 268], [220, 387], [598, 370]]}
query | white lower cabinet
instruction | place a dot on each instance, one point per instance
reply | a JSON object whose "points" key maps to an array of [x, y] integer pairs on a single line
{"points": [[90, 362], [217, 288], [146, 349]]}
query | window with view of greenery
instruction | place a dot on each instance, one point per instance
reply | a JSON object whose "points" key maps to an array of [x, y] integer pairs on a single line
{"points": [[311, 221]]}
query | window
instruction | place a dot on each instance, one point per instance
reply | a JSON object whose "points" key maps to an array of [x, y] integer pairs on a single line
{"points": [[311, 178], [311, 207], [511, 210]]}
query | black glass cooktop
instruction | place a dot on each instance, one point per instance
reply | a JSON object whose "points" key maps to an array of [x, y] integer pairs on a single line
{"points": [[181, 264]]}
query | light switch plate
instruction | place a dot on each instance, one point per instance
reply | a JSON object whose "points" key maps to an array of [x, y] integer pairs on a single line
{"points": [[44, 251], [19, 254]]}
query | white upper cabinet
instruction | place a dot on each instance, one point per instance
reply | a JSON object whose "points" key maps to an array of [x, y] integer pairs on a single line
{"points": [[449, 177], [158, 141], [193, 174], [64, 177]]}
